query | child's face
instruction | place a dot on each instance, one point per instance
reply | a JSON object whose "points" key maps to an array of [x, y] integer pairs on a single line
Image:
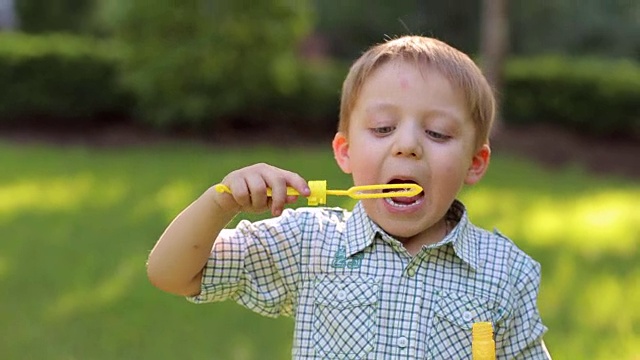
{"points": [[411, 126]]}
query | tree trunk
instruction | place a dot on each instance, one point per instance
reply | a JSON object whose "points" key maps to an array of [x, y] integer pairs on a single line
{"points": [[494, 47], [8, 15]]}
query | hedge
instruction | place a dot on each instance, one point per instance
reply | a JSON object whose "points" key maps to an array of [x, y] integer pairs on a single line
{"points": [[74, 79], [197, 63], [40, 16], [59, 78], [591, 96]]}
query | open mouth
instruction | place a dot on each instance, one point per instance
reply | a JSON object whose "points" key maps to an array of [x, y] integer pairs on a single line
{"points": [[404, 201]]}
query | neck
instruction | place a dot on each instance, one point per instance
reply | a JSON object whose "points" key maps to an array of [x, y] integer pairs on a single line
{"points": [[436, 233]]}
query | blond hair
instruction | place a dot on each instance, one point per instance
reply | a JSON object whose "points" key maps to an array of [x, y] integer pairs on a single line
{"points": [[451, 63]]}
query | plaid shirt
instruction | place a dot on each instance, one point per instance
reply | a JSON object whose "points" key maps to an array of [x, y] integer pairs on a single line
{"points": [[356, 293]]}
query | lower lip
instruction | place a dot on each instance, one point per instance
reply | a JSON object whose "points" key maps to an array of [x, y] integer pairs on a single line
{"points": [[403, 209]]}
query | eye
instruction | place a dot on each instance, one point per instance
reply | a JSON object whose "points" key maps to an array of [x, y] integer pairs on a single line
{"points": [[383, 130], [437, 136]]}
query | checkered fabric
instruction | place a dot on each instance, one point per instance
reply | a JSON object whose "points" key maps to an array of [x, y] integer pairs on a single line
{"points": [[356, 293]]}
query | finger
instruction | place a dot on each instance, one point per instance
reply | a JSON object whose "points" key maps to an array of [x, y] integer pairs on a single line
{"points": [[297, 182], [257, 192], [278, 187], [270, 206], [239, 190]]}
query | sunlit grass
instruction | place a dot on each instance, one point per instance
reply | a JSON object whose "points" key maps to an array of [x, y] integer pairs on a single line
{"points": [[77, 225], [588, 222], [102, 293]]}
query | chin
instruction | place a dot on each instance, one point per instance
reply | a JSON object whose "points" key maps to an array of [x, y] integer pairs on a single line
{"points": [[400, 231]]}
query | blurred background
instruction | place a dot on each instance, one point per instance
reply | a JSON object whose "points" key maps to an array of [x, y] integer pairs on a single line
{"points": [[116, 114]]}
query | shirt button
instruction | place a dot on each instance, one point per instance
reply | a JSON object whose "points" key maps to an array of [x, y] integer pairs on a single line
{"points": [[411, 272], [341, 295], [467, 316], [402, 342]]}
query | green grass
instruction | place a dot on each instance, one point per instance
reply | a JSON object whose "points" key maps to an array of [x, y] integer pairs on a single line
{"points": [[77, 224]]}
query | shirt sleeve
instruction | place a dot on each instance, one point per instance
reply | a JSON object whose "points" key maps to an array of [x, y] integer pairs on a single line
{"points": [[522, 337], [255, 265]]}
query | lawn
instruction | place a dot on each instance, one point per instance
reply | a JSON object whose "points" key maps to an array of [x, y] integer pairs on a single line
{"points": [[77, 224]]}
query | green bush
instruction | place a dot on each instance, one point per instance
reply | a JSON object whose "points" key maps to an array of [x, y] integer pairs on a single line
{"points": [[199, 63], [315, 106], [39, 16], [591, 96], [59, 77], [77, 80]]}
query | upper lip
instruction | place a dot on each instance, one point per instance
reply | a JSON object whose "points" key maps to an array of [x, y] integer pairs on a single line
{"points": [[403, 178], [408, 179]]}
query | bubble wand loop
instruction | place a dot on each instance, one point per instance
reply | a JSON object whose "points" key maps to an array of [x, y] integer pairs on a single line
{"points": [[319, 191]]}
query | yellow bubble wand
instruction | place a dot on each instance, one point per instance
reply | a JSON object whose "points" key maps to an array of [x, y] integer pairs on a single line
{"points": [[319, 191]]}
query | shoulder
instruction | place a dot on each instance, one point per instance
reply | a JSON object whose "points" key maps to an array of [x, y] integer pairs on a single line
{"points": [[490, 248], [509, 275], [499, 253]]}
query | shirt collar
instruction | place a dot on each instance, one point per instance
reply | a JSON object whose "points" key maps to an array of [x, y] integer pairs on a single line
{"points": [[360, 231], [463, 237]]}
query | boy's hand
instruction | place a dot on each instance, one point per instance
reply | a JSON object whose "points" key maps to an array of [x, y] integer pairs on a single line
{"points": [[249, 189]]}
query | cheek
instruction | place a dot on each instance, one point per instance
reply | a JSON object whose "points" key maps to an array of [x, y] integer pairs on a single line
{"points": [[451, 166], [364, 167], [363, 172], [361, 151], [455, 176]]}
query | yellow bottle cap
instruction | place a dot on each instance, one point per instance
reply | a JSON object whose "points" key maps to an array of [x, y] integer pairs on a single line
{"points": [[482, 346]]}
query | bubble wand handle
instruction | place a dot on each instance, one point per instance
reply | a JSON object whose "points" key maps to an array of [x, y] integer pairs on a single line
{"points": [[319, 191]]}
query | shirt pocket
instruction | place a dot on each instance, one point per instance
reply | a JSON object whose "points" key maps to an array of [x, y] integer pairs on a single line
{"points": [[345, 317], [455, 314]]}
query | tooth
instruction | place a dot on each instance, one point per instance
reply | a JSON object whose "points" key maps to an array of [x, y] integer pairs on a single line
{"points": [[400, 205]]}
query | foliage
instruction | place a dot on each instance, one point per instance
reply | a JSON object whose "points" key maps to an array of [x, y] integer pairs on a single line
{"points": [[59, 77], [589, 95], [589, 27], [314, 107], [78, 224], [455, 22], [76, 79], [200, 61], [37, 16]]}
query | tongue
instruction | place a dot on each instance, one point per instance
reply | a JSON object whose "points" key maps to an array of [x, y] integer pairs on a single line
{"points": [[406, 200]]}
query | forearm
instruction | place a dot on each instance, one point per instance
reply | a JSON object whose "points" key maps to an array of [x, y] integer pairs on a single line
{"points": [[176, 262]]}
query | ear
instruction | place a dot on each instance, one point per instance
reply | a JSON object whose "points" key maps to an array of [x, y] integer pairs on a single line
{"points": [[341, 152], [479, 165]]}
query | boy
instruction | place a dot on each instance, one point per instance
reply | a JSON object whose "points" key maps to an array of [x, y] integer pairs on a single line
{"points": [[394, 278]]}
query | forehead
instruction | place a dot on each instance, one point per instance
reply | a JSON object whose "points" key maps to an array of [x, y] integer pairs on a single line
{"points": [[410, 85], [403, 72]]}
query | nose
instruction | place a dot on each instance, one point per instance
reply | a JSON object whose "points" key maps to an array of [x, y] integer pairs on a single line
{"points": [[407, 143]]}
